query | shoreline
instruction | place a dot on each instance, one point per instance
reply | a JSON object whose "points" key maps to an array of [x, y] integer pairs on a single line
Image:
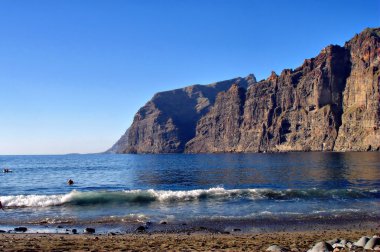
{"points": [[195, 241], [216, 226]]}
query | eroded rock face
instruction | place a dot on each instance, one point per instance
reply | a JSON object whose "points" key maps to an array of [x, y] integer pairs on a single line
{"points": [[168, 121], [219, 130], [360, 129], [330, 103], [299, 110]]}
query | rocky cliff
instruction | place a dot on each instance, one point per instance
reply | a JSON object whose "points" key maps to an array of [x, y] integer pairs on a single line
{"points": [[168, 121], [360, 129], [298, 110], [330, 103]]}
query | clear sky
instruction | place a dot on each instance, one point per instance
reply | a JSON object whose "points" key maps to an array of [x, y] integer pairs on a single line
{"points": [[74, 72]]}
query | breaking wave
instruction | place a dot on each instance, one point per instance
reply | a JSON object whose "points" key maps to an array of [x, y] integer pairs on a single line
{"points": [[76, 198]]}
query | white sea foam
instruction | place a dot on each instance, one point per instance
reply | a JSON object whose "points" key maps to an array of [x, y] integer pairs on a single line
{"points": [[36, 200], [151, 195], [217, 192]]}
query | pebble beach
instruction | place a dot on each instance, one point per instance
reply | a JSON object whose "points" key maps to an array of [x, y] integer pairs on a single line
{"points": [[197, 241]]}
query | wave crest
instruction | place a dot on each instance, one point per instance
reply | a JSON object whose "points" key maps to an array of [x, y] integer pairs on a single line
{"points": [[76, 198]]}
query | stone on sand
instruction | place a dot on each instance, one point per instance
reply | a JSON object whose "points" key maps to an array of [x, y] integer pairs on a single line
{"points": [[276, 248], [338, 245], [21, 229], [362, 241], [140, 229], [321, 247], [372, 243], [89, 230]]}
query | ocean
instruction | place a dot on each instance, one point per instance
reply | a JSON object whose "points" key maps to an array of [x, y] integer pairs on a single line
{"points": [[188, 188]]}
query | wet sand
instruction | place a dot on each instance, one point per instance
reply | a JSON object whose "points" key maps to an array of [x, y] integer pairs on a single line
{"points": [[194, 241]]}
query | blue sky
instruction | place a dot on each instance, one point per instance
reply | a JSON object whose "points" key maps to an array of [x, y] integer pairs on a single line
{"points": [[74, 72]]}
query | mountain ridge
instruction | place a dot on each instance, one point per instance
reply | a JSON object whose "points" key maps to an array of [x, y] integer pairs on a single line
{"points": [[329, 103]]}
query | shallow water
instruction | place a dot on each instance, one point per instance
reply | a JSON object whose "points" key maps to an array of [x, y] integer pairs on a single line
{"points": [[127, 188]]}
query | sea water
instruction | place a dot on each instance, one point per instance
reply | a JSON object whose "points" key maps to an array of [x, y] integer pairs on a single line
{"points": [[187, 187]]}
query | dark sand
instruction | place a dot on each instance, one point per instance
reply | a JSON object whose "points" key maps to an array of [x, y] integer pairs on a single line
{"points": [[191, 241], [212, 235]]}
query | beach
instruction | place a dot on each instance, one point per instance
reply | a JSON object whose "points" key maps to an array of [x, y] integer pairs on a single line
{"points": [[226, 202], [196, 241], [198, 236]]}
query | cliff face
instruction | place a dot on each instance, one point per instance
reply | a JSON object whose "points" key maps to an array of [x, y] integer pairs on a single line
{"points": [[360, 129], [168, 121], [219, 130], [299, 110], [330, 103]]}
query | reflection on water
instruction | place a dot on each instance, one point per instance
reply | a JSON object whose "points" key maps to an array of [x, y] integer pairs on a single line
{"points": [[48, 174], [280, 170]]}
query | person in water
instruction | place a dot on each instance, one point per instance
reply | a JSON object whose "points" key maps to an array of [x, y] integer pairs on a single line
{"points": [[70, 182], [1, 206]]}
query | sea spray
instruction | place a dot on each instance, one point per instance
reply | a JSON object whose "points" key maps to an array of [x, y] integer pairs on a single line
{"points": [[103, 197]]}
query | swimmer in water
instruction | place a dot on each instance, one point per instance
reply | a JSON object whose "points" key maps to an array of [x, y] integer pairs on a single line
{"points": [[70, 182]]}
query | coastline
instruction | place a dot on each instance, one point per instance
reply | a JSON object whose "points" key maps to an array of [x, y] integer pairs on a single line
{"points": [[210, 225], [196, 241], [225, 203], [198, 236]]}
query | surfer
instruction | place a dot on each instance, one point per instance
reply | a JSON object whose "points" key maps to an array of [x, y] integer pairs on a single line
{"points": [[1, 206], [70, 182]]}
